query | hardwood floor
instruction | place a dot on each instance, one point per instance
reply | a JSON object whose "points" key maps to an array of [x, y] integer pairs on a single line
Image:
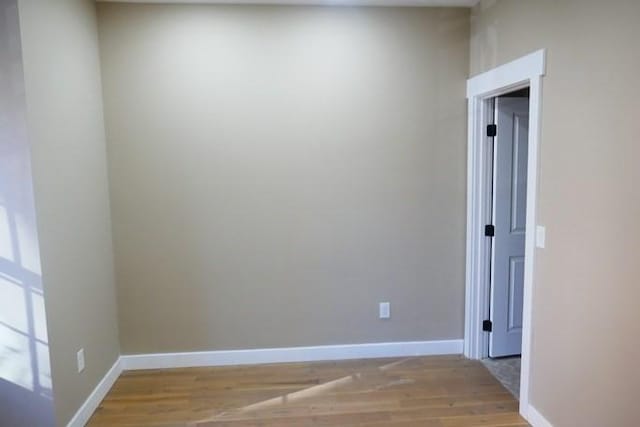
{"points": [[440, 391]]}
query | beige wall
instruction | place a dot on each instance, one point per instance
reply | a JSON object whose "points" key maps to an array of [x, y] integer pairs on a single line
{"points": [[278, 171], [585, 310], [66, 131]]}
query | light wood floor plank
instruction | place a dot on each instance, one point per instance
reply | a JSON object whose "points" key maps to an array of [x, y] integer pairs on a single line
{"points": [[437, 391]]}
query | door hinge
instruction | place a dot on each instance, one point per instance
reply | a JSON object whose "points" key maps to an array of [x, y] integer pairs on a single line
{"points": [[492, 130], [489, 230], [487, 325]]}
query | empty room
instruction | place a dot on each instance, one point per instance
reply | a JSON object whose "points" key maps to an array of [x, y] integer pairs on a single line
{"points": [[319, 213]]}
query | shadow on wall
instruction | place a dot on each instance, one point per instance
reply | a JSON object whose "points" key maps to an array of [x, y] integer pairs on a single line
{"points": [[25, 371]]}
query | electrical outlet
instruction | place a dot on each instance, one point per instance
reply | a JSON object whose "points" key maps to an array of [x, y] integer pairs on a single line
{"points": [[80, 357], [385, 310], [541, 236]]}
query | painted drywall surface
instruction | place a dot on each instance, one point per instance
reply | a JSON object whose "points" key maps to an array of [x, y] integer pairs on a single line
{"points": [[585, 316], [66, 130], [276, 172], [25, 370]]}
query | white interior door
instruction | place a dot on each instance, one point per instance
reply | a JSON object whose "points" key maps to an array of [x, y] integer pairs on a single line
{"points": [[509, 214]]}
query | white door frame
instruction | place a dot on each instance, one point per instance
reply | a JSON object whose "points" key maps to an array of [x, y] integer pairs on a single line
{"points": [[523, 72]]}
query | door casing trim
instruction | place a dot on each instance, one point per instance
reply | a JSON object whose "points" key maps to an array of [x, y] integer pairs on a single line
{"points": [[526, 71]]}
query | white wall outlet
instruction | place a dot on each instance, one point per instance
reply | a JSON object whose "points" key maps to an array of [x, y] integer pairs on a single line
{"points": [[541, 236], [385, 310], [80, 357]]}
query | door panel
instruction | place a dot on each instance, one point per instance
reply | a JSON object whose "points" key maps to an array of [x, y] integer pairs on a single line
{"points": [[516, 272], [509, 215], [519, 156]]}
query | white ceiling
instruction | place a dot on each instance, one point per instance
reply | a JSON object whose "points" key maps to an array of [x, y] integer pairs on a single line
{"points": [[448, 3]]}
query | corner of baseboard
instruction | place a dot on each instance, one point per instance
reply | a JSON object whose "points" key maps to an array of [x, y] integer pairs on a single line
{"points": [[536, 419], [258, 356], [92, 402]]}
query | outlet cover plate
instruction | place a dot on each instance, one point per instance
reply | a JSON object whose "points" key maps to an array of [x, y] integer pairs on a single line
{"points": [[385, 310], [541, 236], [80, 357]]}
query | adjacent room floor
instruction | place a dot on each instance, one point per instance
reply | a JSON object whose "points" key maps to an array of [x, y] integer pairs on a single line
{"points": [[438, 391], [507, 371]]}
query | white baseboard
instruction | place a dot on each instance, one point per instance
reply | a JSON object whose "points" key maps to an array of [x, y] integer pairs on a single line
{"points": [[536, 419], [93, 401], [291, 354]]}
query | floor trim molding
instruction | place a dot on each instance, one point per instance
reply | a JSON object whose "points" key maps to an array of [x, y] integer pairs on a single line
{"points": [[89, 406], [536, 418], [291, 354]]}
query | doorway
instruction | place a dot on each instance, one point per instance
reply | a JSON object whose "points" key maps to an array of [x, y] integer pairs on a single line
{"points": [[507, 144], [498, 310]]}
